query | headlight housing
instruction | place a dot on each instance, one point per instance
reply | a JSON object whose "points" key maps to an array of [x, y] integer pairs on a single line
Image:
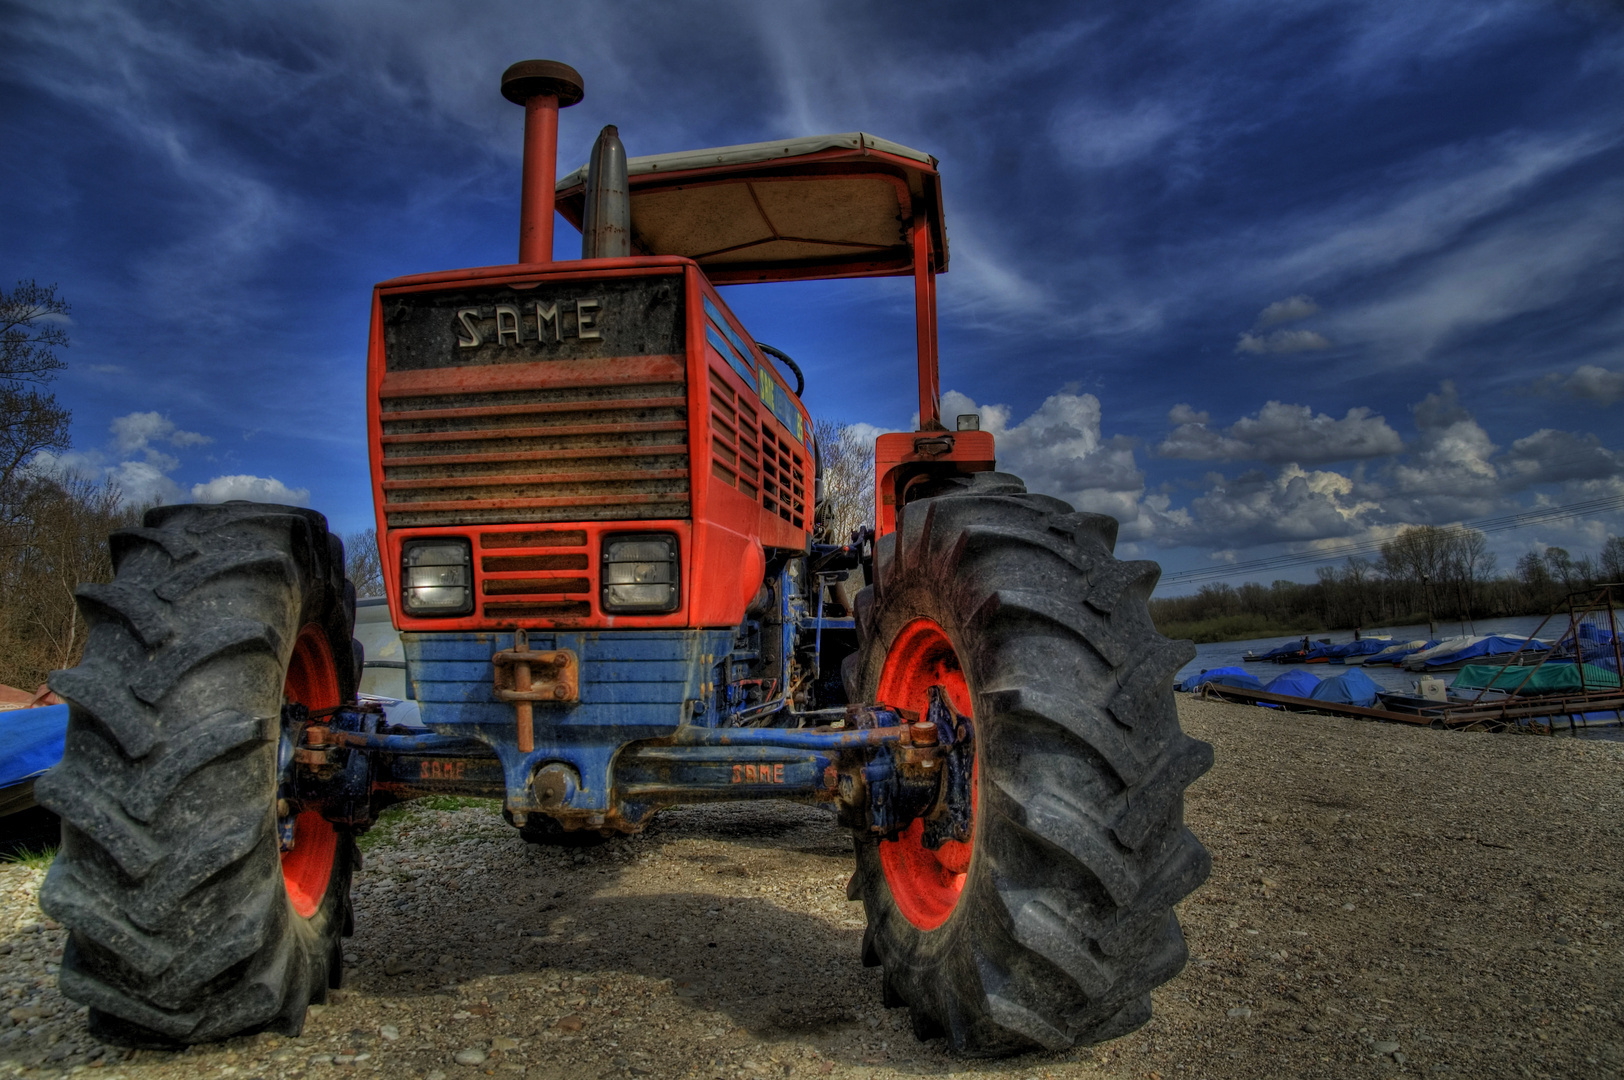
{"points": [[639, 573], [437, 576]]}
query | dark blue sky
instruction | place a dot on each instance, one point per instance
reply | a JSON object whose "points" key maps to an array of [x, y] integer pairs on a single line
{"points": [[1251, 276]]}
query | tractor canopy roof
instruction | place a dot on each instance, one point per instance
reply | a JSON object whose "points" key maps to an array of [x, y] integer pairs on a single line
{"points": [[821, 206]]}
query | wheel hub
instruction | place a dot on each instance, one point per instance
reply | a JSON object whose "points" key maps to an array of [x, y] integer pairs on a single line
{"points": [[310, 841], [925, 882]]}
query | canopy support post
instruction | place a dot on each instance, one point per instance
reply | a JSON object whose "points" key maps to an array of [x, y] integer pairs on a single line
{"points": [[930, 394]]}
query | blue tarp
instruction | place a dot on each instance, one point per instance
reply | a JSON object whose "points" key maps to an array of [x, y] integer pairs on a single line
{"points": [[1352, 687], [31, 741], [1492, 645], [1290, 648], [1224, 676], [1362, 647], [1296, 683]]}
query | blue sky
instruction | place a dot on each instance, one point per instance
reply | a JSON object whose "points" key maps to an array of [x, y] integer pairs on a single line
{"points": [[1256, 278]]}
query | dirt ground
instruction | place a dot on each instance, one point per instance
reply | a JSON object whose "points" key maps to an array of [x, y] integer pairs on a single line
{"points": [[1384, 902]]}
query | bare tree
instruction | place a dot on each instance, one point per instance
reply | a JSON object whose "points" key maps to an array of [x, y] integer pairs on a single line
{"points": [[1469, 562], [1562, 569], [362, 565], [1611, 562], [30, 418], [848, 480], [59, 542]]}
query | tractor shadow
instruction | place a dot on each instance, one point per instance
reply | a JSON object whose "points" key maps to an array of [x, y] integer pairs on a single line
{"points": [[741, 906]]}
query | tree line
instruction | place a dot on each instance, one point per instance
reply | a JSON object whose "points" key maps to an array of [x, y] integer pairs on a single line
{"points": [[1425, 574], [54, 523]]}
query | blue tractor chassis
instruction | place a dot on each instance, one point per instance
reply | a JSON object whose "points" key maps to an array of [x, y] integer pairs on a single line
{"points": [[649, 725]]}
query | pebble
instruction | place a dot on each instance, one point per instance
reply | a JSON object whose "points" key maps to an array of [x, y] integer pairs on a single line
{"points": [[470, 1056], [1385, 1047], [1241, 1012], [1263, 762]]}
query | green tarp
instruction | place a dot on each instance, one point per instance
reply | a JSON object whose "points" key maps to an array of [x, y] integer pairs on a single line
{"points": [[1546, 678]]}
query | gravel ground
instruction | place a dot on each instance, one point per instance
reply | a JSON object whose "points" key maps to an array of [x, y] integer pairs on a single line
{"points": [[1384, 901]]}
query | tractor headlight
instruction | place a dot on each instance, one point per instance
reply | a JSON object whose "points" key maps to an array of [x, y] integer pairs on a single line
{"points": [[437, 576], [639, 573]]}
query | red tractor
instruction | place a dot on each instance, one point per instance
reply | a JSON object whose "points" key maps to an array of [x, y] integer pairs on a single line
{"points": [[598, 505]]}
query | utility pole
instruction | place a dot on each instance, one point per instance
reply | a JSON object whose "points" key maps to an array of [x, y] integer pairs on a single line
{"points": [[1426, 587]]}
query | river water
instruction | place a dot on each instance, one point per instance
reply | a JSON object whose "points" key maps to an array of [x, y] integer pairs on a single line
{"points": [[1229, 653]]}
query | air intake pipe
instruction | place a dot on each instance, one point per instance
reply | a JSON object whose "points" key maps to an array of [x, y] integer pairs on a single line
{"points": [[542, 87], [606, 224]]}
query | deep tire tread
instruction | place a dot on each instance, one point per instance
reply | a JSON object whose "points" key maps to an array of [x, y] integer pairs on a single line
{"points": [[169, 879], [1068, 923]]}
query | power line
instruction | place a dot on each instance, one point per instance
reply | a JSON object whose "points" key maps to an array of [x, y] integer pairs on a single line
{"points": [[1354, 549]]}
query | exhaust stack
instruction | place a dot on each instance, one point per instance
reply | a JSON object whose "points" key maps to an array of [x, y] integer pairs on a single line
{"points": [[606, 231], [542, 87]]}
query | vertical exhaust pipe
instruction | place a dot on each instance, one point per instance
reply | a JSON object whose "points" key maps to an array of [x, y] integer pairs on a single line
{"points": [[542, 87], [606, 226]]}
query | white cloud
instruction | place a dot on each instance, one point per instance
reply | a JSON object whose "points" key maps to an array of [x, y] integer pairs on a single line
{"points": [[134, 431], [1059, 450], [145, 482], [142, 472], [1548, 456], [252, 488], [1290, 309], [1448, 192], [1281, 433], [1094, 136], [1592, 383], [1186, 414], [1282, 341], [1294, 504]]}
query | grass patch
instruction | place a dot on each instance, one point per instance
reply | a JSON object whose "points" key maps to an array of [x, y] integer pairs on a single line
{"points": [[396, 814], [1231, 628], [454, 802], [30, 858]]}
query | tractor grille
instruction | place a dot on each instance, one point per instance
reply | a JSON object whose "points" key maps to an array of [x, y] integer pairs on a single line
{"points": [[534, 573], [748, 455], [615, 452]]}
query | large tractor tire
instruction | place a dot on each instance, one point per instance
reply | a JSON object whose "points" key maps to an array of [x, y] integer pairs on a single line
{"points": [[187, 922], [1050, 927]]}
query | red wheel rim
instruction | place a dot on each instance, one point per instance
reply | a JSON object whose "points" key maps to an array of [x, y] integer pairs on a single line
{"points": [[925, 884], [307, 870]]}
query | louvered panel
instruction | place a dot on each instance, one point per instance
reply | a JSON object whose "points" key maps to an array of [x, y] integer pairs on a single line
{"points": [[783, 485], [616, 452], [544, 573], [735, 435]]}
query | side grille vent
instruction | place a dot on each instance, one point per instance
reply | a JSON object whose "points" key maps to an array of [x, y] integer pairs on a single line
{"points": [[748, 455], [734, 435], [783, 489]]}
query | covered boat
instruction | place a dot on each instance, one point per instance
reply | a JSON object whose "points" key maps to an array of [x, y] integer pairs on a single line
{"points": [[1224, 676], [1296, 683], [1279, 654], [1393, 653], [1532, 679], [1348, 651], [1457, 652], [31, 741], [1352, 687]]}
